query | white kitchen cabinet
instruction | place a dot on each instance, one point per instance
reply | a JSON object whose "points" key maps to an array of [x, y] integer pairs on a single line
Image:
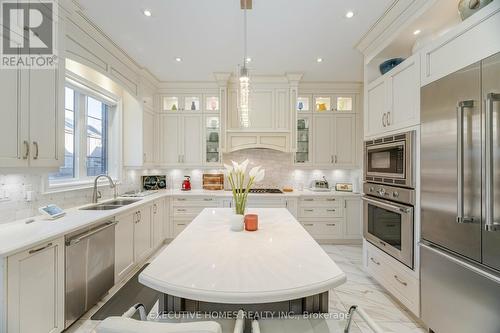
{"points": [[341, 103], [334, 140], [353, 217], [46, 117], [142, 233], [212, 134], [182, 139], [184, 209], [171, 139], [192, 140], [398, 279], [158, 216], [473, 40], [124, 245], [404, 94], [35, 284], [344, 140], [167, 232], [303, 155], [181, 103], [331, 218], [13, 130], [393, 100], [322, 140], [375, 111], [32, 116], [149, 134]]}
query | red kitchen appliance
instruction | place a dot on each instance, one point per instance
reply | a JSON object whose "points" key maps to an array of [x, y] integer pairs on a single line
{"points": [[186, 184]]}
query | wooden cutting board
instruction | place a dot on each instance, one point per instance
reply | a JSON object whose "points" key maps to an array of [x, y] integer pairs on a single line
{"points": [[213, 182]]}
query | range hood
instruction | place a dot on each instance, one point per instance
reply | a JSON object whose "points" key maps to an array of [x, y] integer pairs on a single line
{"points": [[271, 116]]}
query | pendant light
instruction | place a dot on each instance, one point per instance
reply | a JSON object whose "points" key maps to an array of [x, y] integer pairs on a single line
{"points": [[244, 78]]}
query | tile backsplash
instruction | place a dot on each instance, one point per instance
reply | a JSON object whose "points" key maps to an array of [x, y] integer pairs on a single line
{"points": [[280, 172], [13, 189]]}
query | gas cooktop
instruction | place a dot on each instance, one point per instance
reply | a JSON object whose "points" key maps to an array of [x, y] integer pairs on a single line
{"points": [[265, 190]]}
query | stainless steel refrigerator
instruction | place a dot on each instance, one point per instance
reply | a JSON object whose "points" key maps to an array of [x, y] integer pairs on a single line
{"points": [[460, 198]]}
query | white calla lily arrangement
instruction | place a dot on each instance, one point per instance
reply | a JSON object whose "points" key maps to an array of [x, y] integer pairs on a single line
{"points": [[240, 185]]}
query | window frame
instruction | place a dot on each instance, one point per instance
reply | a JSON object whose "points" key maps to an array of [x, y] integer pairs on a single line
{"points": [[84, 88]]}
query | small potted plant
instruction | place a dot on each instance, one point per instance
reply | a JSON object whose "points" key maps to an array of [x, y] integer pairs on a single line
{"points": [[241, 185]]}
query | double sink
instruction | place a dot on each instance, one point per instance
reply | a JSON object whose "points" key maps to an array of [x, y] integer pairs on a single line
{"points": [[114, 204]]}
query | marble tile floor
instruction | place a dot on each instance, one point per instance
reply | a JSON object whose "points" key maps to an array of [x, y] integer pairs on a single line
{"points": [[360, 289]]}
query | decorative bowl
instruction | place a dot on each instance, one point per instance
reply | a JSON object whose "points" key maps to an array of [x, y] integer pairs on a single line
{"points": [[389, 64], [469, 7]]}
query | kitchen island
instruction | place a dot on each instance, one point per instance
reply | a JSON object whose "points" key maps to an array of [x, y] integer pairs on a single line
{"points": [[208, 264]]}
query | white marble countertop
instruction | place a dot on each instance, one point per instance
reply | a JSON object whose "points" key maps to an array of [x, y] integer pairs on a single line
{"points": [[209, 262], [18, 235]]}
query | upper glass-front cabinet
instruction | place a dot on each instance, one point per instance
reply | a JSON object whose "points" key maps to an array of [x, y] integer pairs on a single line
{"points": [[303, 156], [322, 103], [344, 103], [181, 103], [304, 104], [212, 104], [192, 103], [170, 103], [336, 103], [212, 139]]}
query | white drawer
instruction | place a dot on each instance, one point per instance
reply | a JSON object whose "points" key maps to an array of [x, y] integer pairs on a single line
{"points": [[266, 202], [179, 226], [320, 212], [321, 202], [324, 230], [394, 276], [187, 211], [195, 201]]}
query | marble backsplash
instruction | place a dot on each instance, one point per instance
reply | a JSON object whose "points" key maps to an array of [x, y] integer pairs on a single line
{"points": [[280, 172], [15, 187]]}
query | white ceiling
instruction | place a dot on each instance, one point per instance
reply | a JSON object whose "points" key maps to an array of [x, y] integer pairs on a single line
{"points": [[283, 35]]}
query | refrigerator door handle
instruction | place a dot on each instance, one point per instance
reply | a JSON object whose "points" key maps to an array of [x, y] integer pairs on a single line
{"points": [[460, 161], [490, 223]]}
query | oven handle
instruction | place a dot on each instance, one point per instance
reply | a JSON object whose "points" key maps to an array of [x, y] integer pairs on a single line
{"points": [[385, 204]]}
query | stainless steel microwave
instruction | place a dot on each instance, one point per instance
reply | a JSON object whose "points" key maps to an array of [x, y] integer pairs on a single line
{"points": [[390, 160]]}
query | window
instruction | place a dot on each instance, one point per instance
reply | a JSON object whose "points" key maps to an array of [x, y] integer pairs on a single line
{"points": [[86, 137]]}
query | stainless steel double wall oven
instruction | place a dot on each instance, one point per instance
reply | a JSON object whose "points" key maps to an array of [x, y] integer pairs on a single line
{"points": [[389, 195]]}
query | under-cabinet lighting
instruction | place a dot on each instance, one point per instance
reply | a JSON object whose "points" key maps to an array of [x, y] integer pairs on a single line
{"points": [[319, 60], [178, 59], [349, 14], [146, 12]]}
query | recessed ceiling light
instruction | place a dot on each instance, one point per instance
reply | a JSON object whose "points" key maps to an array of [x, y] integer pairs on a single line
{"points": [[416, 32], [349, 14], [319, 60], [147, 12], [248, 59], [178, 59]]}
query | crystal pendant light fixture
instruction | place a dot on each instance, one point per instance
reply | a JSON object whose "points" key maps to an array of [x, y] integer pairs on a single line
{"points": [[244, 79]]}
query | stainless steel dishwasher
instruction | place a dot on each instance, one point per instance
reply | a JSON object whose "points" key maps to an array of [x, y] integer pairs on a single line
{"points": [[90, 268]]}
